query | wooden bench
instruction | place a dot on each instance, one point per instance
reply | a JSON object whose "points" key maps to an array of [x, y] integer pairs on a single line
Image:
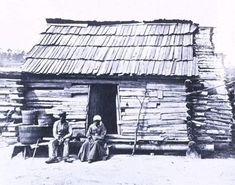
{"points": [[46, 140], [40, 143]]}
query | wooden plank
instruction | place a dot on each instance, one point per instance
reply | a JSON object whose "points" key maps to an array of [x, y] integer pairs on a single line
{"points": [[142, 117], [131, 111], [173, 116], [167, 85], [136, 104], [46, 93], [166, 147]]}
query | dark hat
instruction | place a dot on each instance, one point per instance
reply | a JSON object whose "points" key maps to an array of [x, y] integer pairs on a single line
{"points": [[191, 143], [62, 114]]}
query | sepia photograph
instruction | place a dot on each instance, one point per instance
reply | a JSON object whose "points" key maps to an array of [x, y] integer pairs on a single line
{"points": [[117, 92]]}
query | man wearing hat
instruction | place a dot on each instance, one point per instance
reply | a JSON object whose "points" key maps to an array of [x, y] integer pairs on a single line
{"points": [[62, 131], [93, 148]]}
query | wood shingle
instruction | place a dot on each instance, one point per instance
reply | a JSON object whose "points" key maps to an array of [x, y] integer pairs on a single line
{"points": [[117, 48]]}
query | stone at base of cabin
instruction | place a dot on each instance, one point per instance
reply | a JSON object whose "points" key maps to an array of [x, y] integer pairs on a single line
{"points": [[191, 151], [193, 154], [222, 146]]}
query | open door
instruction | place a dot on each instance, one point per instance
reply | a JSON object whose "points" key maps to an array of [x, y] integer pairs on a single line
{"points": [[102, 101]]}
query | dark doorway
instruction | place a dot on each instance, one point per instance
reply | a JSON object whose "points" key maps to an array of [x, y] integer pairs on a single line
{"points": [[102, 101]]}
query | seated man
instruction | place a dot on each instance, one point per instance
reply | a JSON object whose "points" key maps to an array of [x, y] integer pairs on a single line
{"points": [[62, 132], [93, 148]]}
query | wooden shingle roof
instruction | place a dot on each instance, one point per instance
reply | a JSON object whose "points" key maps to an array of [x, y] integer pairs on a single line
{"points": [[115, 48]]}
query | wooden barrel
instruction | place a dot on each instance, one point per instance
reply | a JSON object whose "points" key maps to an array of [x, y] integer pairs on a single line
{"points": [[45, 119], [28, 117], [29, 134]]}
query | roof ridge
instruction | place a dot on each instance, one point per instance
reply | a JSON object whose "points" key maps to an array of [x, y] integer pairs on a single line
{"points": [[95, 22]]}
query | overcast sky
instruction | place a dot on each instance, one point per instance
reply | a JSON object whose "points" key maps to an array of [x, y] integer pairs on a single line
{"points": [[22, 20]]}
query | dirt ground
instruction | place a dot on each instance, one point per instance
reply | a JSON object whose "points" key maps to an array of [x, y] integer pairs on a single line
{"points": [[118, 170]]}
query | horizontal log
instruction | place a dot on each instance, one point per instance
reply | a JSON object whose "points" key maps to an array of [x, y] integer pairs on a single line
{"points": [[57, 85], [132, 93], [172, 116], [33, 103], [172, 105], [153, 123], [10, 81], [7, 92], [81, 100], [152, 147], [13, 128], [47, 93], [46, 85], [120, 140], [9, 134], [173, 94], [167, 86], [142, 117], [207, 147], [6, 108], [17, 97], [171, 133], [201, 108], [9, 73], [206, 139], [135, 111], [217, 116], [199, 123], [218, 132], [221, 105], [11, 86], [162, 147], [10, 140], [169, 127], [218, 123], [213, 132], [117, 136], [44, 79], [136, 104], [226, 121], [181, 129], [222, 146], [76, 105], [179, 99], [131, 89], [38, 106], [11, 104], [78, 89]]}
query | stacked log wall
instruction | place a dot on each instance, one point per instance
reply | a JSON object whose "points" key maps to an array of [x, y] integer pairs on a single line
{"points": [[53, 96], [232, 100], [212, 109], [11, 98], [163, 113]]}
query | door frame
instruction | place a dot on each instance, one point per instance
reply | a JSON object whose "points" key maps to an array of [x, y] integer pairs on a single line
{"points": [[117, 102]]}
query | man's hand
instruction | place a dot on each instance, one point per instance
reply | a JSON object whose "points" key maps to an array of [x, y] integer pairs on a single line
{"points": [[61, 140]]}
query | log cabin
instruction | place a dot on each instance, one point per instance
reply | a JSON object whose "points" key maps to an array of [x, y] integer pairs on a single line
{"points": [[143, 78]]}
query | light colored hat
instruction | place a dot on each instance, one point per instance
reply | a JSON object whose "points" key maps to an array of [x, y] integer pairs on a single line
{"points": [[97, 118]]}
